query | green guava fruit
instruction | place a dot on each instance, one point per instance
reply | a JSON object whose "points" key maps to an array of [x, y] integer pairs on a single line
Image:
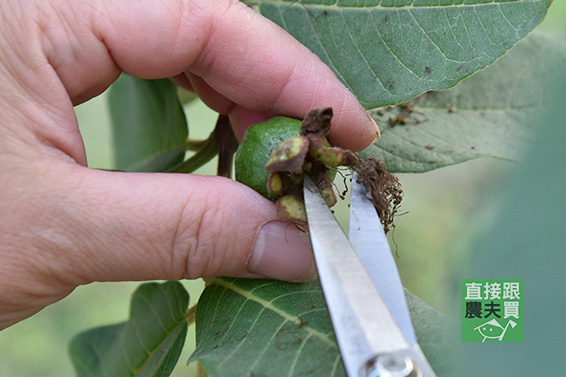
{"points": [[256, 147], [281, 150]]}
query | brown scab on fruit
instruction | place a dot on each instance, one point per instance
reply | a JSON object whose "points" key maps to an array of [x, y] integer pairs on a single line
{"points": [[291, 207], [328, 195], [275, 184], [333, 157], [289, 156], [282, 183]]}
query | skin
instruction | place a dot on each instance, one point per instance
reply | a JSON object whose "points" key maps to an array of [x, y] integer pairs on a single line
{"points": [[64, 225]]}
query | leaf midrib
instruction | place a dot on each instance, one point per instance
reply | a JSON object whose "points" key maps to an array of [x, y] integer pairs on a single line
{"points": [[386, 7], [150, 354], [156, 154], [269, 305]]}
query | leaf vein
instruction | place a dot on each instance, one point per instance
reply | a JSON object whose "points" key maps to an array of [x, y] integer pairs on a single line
{"points": [[269, 342], [355, 44], [323, 47], [298, 353], [391, 52], [380, 6], [252, 325], [270, 306], [431, 40]]}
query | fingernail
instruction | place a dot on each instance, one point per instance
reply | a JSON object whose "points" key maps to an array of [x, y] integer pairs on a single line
{"points": [[282, 251], [377, 132]]}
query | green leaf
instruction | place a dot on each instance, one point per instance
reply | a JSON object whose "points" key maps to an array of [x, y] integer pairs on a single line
{"points": [[149, 344], [489, 115], [148, 124], [389, 51], [436, 333], [267, 328], [526, 240]]}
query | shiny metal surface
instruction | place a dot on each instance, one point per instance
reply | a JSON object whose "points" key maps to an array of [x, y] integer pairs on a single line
{"points": [[370, 243], [364, 326]]}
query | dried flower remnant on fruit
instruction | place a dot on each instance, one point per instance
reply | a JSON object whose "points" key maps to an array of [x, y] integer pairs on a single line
{"points": [[316, 126], [384, 189], [307, 154]]}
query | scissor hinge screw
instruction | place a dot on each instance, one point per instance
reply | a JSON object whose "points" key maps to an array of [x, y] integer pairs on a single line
{"points": [[391, 365]]}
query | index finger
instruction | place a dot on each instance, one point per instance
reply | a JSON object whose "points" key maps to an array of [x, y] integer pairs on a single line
{"points": [[237, 52], [258, 66]]}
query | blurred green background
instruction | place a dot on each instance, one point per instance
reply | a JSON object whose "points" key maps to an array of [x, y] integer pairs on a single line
{"points": [[446, 211]]}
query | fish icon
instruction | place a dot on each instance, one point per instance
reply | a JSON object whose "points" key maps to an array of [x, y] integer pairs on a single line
{"points": [[493, 329]]}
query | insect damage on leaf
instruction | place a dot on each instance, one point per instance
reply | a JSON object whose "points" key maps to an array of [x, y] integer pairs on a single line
{"points": [[401, 114], [290, 160]]}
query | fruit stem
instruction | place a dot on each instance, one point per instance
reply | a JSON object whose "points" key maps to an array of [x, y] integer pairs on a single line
{"points": [[194, 145], [208, 150], [226, 144], [190, 315]]}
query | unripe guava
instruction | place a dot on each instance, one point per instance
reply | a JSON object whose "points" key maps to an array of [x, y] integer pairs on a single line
{"points": [[256, 147]]}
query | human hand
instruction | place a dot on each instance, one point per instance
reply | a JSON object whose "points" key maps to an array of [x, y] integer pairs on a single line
{"points": [[64, 225]]}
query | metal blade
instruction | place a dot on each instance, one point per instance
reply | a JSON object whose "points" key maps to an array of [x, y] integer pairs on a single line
{"points": [[363, 325], [369, 241], [371, 342]]}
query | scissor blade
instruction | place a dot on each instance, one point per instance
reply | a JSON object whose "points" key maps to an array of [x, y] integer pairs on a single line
{"points": [[369, 241], [353, 345], [363, 325]]}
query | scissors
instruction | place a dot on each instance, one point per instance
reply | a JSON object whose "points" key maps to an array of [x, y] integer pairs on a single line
{"points": [[363, 290]]}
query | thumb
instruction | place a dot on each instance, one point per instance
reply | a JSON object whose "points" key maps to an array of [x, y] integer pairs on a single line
{"points": [[143, 226]]}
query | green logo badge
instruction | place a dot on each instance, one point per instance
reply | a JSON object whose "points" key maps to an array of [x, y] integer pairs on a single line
{"points": [[492, 310]]}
